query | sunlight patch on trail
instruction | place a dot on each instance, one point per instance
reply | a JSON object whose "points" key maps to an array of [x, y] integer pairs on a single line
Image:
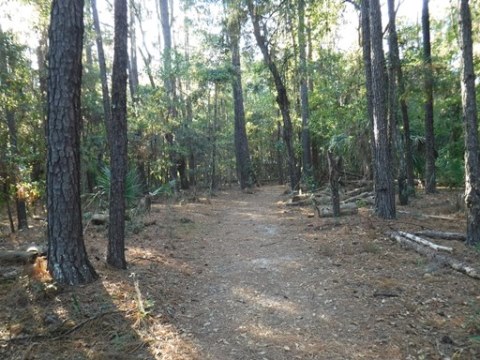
{"points": [[284, 306]]}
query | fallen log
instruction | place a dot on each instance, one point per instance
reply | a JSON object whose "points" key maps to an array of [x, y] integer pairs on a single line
{"points": [[426, 216], [324, 200], [346, 209], [358, 191], [425, 242], [434, 255], [361, 196], [442, 235], [99, 219], [369, 200], [305, 202], [18, 257]]}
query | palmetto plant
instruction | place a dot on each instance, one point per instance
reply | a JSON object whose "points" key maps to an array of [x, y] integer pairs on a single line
{"points": [[133, 187]]}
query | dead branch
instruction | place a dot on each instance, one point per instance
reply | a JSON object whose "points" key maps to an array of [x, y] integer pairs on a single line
{"points": [[442, 235], [425, 242], [21, 257], [442, 259], [358, 191], [345, 209], [361, 196]]}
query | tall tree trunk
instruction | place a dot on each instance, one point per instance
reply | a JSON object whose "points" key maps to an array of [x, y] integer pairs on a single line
{"points": [[306, 145], [133, 81], [132, 61], [367, 64], [393, 102], [7, 67], [189, 110], [9, 209], [279, 155], [118, 137], [20, 201], [107, 111], [67, 257], [213, 140], [177, 166], [245, 173], [384, 189], [282, 97], [144, 53], [470, 118], [334, 165], [430, 178]]}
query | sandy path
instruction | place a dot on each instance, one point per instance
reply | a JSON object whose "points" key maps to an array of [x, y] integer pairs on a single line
{"points": [[260, 292]]}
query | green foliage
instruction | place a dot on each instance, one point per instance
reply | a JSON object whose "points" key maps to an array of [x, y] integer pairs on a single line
{"points": [[132, 186]]}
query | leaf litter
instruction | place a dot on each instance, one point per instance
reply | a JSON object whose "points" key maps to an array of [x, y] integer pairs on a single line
{"points": [[243, 276]]}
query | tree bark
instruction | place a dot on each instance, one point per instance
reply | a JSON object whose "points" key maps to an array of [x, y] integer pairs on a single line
{"points": [[7, 67], [384, 189], [367, 64], [245, 173], [334, 165], [470, 119], [397, 142], [107, 111], [133, 63], [430, 177], [282, 97], [407, 142], [67, 257], [306, 144], [118, 137]]}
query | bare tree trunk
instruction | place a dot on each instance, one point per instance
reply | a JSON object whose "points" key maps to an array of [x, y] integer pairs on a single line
{"points": [[334, 164], [118, 136], [67, 257], [282, 97], [393, 69], [245, 173], [470, 118], [144, 53], [384, 189], [367, 63], [132, 61], [430, 178], [9, 209], [306, 144], [7, 67], [281, 177], [107, 111]]}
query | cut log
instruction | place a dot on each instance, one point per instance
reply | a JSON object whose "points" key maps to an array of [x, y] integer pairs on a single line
{"points": [[434, 255], [425, 242], [17, 257], [369, 200], [357, 191], [442, 235], [306, 202], [347, 209], [426, 216], [361, 196], [324, 200], [99, 219]]}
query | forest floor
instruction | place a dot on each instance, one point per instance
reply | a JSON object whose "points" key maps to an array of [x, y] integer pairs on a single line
{"points": [[241, 276]]}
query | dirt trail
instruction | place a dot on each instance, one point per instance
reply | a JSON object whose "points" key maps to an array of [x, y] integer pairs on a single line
{"points": [[265, 292], [244, 277], [254, 299], [271, 282]]}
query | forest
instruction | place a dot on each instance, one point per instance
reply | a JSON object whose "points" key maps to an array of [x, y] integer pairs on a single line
{"points": [[144, 144]]}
